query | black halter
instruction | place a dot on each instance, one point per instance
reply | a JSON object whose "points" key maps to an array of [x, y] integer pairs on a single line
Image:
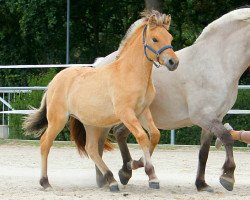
{"points": [[157, 53]]}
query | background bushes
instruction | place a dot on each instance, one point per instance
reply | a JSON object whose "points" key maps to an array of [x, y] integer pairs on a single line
{"points": [[34, 32]]}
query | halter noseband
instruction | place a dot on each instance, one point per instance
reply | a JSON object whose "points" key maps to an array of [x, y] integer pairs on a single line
{"points": [[157, 53]]}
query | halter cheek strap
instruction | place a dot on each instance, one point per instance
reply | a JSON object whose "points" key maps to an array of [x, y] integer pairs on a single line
{"points": [[157, 53]]}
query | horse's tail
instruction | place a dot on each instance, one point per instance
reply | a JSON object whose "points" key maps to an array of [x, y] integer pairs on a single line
{"points": [[37, 122], [78, 134]]}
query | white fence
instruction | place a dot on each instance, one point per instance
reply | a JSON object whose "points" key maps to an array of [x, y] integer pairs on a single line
{"points": [[14, 90]]}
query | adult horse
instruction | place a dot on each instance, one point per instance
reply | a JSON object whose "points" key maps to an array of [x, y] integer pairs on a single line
{"points": [[200, 92], [100, 98]]}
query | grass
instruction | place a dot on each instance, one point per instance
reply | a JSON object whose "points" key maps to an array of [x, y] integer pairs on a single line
{"points": [[14, 142]]}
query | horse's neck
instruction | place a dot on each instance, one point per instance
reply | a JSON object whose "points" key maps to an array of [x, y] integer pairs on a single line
{"points": [[227, 55], [133, 60], [236, 54]]}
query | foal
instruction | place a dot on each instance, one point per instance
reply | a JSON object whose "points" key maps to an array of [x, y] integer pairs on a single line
{"points": [[99, 98]]}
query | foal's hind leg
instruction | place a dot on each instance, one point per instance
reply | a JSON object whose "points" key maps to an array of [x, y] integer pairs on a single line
{"points": [[100, 179], [92, 139], [54, 127], [200, 182]]}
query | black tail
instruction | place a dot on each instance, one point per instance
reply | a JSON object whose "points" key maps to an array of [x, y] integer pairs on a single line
{"points": [[37, 122]]}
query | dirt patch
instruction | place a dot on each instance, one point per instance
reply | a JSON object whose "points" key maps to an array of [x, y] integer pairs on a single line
{"points": [[73, 177]]}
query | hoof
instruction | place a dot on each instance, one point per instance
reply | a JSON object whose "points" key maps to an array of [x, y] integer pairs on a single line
{"points": [[44, 182], [154, 185], [101, 182], [206, 189], [114, 188], [227, 183], [202, 186], [124, 176]]}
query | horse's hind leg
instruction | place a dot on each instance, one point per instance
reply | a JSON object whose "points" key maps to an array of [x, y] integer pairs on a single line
{"points": [[121, 135], [216, 127], [54, 127], [100, 179], [92, 139], [200, 183]]}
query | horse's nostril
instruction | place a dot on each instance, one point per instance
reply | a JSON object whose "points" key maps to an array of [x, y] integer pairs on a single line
{"points": [[171, 62]]}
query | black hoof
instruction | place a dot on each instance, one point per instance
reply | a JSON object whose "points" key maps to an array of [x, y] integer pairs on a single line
{"points": [[206, 189], [124, 176], [203, 187], [114, 188], [44, 182], [154, 185], [101, 182], [227, 183]]}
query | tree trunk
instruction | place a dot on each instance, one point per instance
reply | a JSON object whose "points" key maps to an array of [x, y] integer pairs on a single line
{"points": [[154, 5]]}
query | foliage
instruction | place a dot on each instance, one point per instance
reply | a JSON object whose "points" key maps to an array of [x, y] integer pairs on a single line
{"points": [[34, 32], [26, 100]]}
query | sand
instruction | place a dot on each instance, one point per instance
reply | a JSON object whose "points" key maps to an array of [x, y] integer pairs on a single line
{"points": [[73, 177]]}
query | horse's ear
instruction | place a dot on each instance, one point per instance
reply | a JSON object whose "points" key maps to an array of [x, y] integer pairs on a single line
{"points": [[167, 21], [152, 22]]}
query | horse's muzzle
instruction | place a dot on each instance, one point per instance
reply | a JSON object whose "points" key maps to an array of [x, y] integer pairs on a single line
{"points": [[171, 63]]}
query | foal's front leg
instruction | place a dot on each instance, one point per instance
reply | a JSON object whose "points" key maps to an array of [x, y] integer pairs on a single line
{"points": [[132, 123], [121, 133], [149, 124]]}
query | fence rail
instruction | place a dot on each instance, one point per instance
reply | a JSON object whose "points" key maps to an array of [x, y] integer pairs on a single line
{"points": [[9, 90], [43, 66]]}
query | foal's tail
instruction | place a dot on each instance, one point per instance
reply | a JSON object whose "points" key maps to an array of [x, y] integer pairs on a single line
{"points": [[36, 123], [78, 134]]}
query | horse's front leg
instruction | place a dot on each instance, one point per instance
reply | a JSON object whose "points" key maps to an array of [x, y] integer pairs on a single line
{"points": [[148, 123], [216, 127], [130, 120], [200, 182]]}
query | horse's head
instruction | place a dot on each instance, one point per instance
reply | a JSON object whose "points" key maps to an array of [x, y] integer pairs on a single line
{"points": [[157, 41]]}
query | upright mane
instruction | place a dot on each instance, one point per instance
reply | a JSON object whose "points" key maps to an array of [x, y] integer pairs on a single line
{"points": [[239, 14], [139, 23]]}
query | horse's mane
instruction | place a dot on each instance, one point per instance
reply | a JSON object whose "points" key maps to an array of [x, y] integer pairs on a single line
{"points": [[139, 23], [239, 14]]}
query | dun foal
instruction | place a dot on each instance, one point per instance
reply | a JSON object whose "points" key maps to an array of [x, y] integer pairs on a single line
{"points": [[201, 96], [98, 98]]}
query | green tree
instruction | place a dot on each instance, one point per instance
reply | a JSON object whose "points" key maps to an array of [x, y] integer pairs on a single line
{"points": [[34, 32]]}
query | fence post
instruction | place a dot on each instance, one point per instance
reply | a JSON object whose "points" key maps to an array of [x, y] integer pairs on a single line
{"points": [[172, 141], [4, 131]]}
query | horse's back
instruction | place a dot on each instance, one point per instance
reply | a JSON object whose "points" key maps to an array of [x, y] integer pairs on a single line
{"points": [[64, 80], [86, 92]]}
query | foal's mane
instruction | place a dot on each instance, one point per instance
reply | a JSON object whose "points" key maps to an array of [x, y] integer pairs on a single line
{"points": [[235, 15], [159, 20]]}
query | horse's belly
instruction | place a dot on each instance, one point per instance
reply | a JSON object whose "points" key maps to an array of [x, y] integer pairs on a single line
{"points": [[169, 110], [94, 119], [95, 110]]}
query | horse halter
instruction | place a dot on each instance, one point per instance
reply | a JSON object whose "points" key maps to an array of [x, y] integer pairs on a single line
{"points": [[157, 53]]}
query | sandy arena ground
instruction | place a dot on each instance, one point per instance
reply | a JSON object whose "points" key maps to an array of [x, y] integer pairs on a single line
{"points": [[73, 177]]}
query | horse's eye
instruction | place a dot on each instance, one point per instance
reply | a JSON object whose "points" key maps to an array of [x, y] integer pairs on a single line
{"points": [[154, 40]]}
